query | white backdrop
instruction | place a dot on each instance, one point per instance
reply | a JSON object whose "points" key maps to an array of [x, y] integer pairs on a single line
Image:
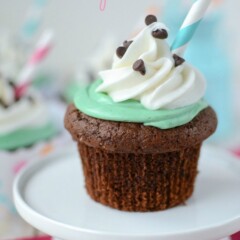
{"points": [[78, 24]]}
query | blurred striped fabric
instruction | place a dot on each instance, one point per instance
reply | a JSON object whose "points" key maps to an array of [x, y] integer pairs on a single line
{"points": [[234, 237]]}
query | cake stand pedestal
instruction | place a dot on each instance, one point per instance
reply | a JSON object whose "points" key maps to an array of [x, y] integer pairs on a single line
{"points": [[50, 195]]}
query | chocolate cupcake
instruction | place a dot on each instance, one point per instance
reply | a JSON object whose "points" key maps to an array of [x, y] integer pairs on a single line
{"points": [[140, 128]]}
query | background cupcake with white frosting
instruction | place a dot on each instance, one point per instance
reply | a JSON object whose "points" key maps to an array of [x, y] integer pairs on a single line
{"points": [[24, 118], [26, 129], [24, 121]]}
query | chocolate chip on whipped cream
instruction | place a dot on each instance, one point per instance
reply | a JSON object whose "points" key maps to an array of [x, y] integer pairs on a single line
{"points": [[139, 66], [160, 33], [150, 19], [178, 60]]}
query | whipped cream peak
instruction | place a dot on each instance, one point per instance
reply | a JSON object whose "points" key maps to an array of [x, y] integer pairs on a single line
{"points": [[158, 25], [147, 71], [142, 41]]}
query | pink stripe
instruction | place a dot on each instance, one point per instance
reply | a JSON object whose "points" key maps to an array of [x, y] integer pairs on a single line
{"points": [[39, 55], [103, 4], [236, 236], [20, 165], [237, 153], [37, 238], [20, 90]]}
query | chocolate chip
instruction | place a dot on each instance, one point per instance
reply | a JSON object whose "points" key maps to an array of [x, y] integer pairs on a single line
{"points": [[126, 43], [139, 66], [121, 51], [160, 34], [150, 19], [178, 60]]}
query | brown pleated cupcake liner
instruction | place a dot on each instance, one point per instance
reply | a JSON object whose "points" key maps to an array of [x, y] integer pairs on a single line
{"points": [[139, 182]]}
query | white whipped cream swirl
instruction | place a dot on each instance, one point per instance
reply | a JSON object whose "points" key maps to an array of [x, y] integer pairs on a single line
{"points": [[28, 112], [163, 86]]}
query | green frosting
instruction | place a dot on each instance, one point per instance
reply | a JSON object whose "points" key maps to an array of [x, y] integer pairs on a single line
{"points": [[100, 105], [26, 137]]}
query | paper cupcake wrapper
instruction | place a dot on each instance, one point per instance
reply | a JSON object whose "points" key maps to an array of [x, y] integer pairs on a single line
{"points": [[139, 182]]}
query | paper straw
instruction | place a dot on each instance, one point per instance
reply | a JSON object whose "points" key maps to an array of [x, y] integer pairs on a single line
{"points": [[189, 26], [102, 4], [33, 19], [41, 51]]}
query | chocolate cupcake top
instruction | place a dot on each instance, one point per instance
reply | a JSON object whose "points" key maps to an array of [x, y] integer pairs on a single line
{"points": [[125, 137]]}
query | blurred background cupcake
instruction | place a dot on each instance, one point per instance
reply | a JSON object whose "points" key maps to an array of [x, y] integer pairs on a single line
{"points": [[26, 129], [30, 129]]}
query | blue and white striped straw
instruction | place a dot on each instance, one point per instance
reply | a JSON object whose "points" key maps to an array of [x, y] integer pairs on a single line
{"points": [[190, 26], [33, 19]]}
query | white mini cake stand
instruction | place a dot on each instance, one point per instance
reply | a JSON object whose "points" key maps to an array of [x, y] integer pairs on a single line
{"points": [[50, 195]]}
